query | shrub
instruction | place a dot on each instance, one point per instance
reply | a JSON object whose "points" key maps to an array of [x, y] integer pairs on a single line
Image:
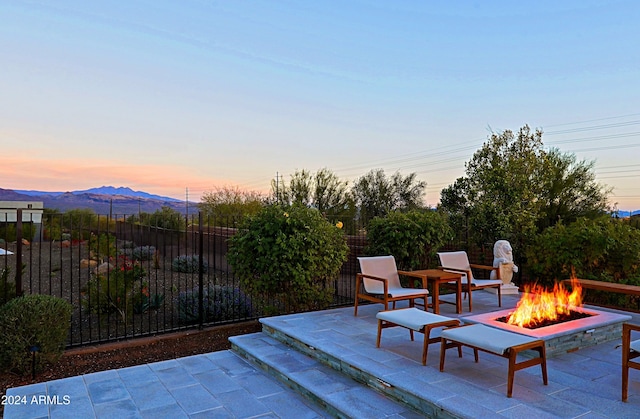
{"points": [[604, 249], [103, 246], [220, 303], [7, 286], [144, 301], [40, 321], [412, 237], [140, 253], [291, 254], [188, 264], [114, 291]]}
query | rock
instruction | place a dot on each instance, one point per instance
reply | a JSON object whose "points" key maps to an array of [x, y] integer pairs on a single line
{"points": [[88, 263], [104, 268]]}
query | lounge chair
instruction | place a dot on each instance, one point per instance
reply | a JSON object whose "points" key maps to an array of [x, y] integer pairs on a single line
{"points": [[630, 350], [459, 262], [379, 282]]}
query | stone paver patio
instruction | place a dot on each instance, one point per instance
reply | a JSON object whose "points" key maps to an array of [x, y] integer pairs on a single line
{"points": [[582, 384]]}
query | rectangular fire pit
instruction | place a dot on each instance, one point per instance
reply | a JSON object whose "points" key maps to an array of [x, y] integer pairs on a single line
{"points": [[599, 327]]}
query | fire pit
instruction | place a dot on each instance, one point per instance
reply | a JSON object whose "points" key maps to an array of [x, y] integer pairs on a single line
{"points": [[558, 318]]}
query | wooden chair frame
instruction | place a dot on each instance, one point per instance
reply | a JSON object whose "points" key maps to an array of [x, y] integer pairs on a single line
{"points": [[511, 354], [386, 298], [469, 286], [627, 355], [425, 330]]}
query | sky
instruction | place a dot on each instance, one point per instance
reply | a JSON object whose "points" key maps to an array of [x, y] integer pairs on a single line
{"points": [[177, 98]]}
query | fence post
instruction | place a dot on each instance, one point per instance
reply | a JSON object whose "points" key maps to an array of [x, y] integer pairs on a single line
{"points": [[19, 290], [200, 270]]}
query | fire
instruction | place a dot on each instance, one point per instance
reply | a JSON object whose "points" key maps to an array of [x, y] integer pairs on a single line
{"points": [[539, 304]]}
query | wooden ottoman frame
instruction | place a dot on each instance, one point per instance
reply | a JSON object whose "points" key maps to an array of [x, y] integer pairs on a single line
{"points": [[490, 342], [415, 320]]}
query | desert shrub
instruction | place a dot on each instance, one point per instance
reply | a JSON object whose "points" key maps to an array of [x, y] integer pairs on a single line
{"points": [[8, 231], [144, 300], [102, 246], [188, 264], [113, 292], [220, 303], [291, 254], [413, 237], [33, 321], [7, 286], [79, 222], [604, 249], [140, 253]]}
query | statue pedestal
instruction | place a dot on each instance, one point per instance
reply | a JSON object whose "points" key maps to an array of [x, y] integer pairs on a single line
{"points": [[505, 289]]}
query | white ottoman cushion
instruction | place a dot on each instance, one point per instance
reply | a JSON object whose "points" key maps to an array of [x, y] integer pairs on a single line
{"points": [[411, 318], [485, 337]]}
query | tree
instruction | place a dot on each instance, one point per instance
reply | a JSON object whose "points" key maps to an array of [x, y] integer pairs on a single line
{"points": [[376, 195], [323, 191], [167, 218], [230, 201], [514, 188]]}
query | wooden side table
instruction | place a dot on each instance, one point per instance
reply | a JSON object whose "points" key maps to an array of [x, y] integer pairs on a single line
{"points": [[439, 277]]}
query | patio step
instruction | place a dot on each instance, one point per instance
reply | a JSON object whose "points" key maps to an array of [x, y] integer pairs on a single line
{"points": [[337, 393]]}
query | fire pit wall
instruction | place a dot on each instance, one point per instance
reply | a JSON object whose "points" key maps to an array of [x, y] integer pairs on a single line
{"points": [[599, 327]]}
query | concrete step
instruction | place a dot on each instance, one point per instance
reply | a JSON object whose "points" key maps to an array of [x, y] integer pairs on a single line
{"points": [[340, 395]]}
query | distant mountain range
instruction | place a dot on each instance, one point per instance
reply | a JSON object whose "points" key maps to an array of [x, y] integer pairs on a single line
{"points": [[102, 200]]}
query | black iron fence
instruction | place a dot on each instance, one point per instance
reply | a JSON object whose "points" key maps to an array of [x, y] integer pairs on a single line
{"points": [[128, 279]]}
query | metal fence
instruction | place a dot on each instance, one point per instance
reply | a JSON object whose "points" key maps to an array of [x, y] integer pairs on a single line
{"points": [[126, 279]]}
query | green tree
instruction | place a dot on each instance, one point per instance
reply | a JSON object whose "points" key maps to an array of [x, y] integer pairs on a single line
{"points": [[231, 202], [80, 222], [322, 190], [514, 188], [167, 218], [376, 195]]}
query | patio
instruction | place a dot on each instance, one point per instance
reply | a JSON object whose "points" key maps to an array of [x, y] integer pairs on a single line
{"points": [[318, 355]]}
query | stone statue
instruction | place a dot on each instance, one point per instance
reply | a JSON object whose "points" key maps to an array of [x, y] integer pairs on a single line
{"points": [[503, 260]]}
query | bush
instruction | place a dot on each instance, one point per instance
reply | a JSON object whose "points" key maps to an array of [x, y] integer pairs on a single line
{"points": [[113, 292], [604, 249], [140, 253], [7, 286], [103, 246], [188, 264], [413, 238], [220, 303], [144, 301], [40, 321], [291, 254]]}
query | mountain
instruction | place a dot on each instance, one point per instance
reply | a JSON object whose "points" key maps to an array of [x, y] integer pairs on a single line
{"points": [[103, 190], [103, 200]]}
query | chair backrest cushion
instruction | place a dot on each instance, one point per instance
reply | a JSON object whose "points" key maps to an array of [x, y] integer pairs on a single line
{"points": [[455, 260], [382, 267]]}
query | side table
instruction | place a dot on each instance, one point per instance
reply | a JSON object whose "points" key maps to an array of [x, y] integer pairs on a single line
{"points": [[439, 277]]}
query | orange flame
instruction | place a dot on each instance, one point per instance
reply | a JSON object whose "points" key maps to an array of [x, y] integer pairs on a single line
{"points": [[539, 304]]}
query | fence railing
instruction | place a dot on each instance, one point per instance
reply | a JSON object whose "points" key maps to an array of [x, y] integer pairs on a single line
{"points": [[126, 279]]}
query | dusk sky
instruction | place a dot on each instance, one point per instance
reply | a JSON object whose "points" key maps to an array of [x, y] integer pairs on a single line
{"points": [[165, 96]]}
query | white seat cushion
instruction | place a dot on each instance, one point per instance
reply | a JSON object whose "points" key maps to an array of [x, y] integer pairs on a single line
{"points": [[485, 337], [411, 318], [485, 282], [400, 292], [635, 345]]}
